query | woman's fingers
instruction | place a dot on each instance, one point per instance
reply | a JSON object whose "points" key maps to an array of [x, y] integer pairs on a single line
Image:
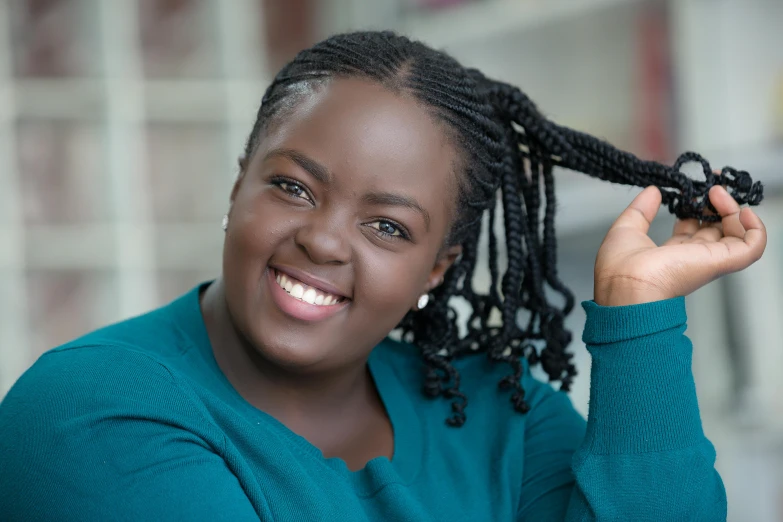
{"points": [[695, 255], [729, 210], [755, 231], [709, 232], [729, 226], [738, 240], [685, 227], [641, 212], [683, 231], [746, 250]]}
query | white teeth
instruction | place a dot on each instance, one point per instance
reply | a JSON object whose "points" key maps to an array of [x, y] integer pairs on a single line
{"points": [[305, 293], [297, 291], [309, 296]]}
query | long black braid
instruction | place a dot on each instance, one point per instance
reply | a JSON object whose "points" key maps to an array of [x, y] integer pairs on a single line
{"points": [[509, 148]]}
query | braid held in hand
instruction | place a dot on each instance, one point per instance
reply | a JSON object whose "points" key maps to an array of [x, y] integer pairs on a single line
{"points": [[508, 155]]}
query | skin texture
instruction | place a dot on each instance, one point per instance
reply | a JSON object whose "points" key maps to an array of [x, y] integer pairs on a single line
{"points": [[367, 140]]}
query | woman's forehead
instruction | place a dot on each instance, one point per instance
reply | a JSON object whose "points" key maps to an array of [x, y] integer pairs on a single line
{"points": [[364, 122], [363, 130]]}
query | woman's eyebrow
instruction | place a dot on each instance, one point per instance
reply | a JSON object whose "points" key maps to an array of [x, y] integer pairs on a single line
{"points": [[322, 174], [390, 199], [318, 171]]}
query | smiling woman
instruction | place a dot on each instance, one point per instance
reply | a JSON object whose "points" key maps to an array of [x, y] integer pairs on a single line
{"points": [[274, 392]]}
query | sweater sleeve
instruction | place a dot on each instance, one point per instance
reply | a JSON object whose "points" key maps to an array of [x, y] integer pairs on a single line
{"points": [[98, 433], [644, 455]]}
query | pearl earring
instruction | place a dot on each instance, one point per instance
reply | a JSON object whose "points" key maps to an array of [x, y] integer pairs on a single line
{"points": [[225, 222], [423, 300]]}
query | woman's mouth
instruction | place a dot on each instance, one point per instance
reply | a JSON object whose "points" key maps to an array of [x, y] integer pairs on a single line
{"points": [[301, 301], [298, 290]]}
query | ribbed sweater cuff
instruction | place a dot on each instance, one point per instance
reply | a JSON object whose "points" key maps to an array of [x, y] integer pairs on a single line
{"points": [[611, 324], [642, 393]]}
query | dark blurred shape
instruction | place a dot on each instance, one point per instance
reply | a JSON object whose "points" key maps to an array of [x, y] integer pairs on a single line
{"points": [[64, 179], [46, 38], [289, 27], [653, 107], [177, 38]]}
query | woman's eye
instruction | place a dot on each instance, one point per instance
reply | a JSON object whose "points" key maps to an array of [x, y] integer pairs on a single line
{"points": [[292, 188], [388, 228]]}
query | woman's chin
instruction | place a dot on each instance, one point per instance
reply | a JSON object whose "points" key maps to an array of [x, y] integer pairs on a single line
{"points": [[294, 355]]}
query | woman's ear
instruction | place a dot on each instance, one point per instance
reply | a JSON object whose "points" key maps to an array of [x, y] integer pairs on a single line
{"points": [[446, 258]]}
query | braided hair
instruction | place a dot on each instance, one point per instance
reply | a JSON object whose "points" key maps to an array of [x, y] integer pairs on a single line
{"points": [[509, 150]]}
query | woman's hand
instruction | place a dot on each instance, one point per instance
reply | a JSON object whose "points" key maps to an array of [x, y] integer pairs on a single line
{"points": [[631, 269]]}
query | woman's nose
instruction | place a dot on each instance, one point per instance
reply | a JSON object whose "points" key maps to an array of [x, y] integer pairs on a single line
{"points": [[325, 240]]}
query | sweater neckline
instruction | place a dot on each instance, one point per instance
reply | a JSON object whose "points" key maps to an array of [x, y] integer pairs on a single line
{"points": [[407, 429]]}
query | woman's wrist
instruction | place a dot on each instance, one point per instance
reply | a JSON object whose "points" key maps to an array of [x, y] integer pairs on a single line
{"points": [[626, 295]]}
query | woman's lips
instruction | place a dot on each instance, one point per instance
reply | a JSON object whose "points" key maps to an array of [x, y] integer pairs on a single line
{"points": [[305, 278], [302, 301]]}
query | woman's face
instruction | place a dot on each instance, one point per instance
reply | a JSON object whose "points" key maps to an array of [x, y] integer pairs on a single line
{"points": [[337, 225]]}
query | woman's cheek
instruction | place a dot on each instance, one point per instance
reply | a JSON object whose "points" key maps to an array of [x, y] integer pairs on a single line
{"points": [[262, 230], [391, 283]]}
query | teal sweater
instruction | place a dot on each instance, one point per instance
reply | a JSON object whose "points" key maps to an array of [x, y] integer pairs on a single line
{"points": [[137, 422]]}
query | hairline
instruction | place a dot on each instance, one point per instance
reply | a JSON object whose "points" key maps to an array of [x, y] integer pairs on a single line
{"points": [[396, 85]]}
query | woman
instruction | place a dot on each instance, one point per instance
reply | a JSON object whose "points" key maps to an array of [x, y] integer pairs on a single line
{"points": [[274, 392]]}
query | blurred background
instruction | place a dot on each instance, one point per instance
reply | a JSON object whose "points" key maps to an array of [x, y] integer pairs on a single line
{"points": [[121, 122]]}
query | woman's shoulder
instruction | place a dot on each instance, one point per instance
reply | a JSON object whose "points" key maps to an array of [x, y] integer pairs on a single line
{"points": [[164, 331], [148, 341], [132, 360], [85, 376], [93, 413], [82, 394]]}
